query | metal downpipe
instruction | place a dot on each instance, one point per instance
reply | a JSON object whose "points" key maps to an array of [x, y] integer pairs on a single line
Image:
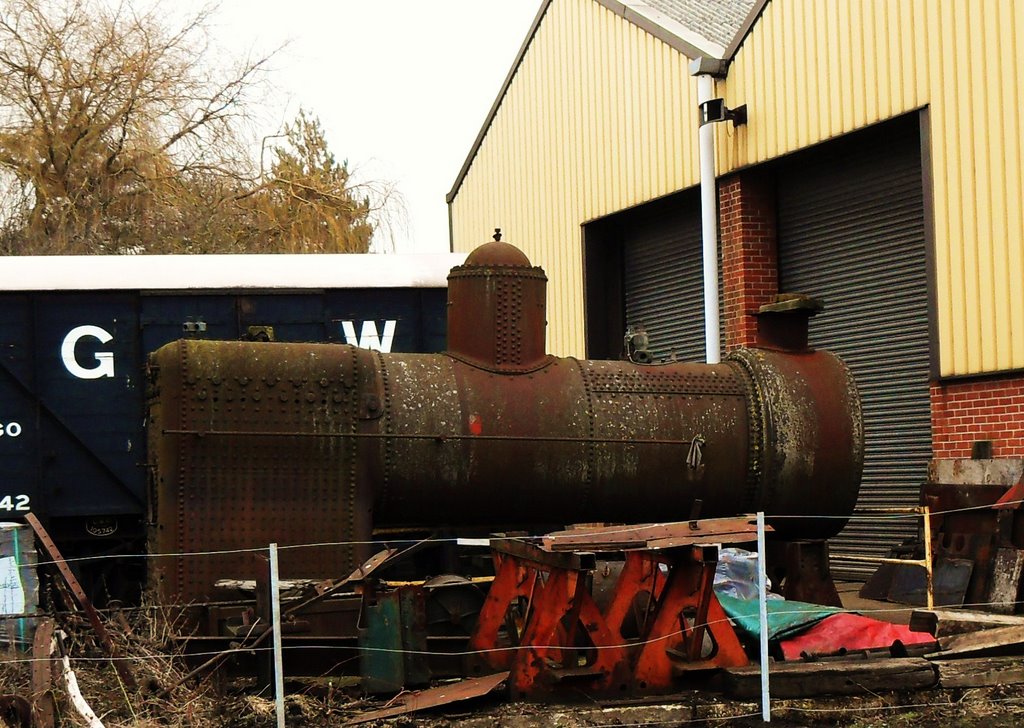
{"points": [[709, 225]]}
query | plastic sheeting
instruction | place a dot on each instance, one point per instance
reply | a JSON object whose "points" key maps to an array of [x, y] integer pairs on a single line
{"points": [[736, 574], [19, 585], [785, 618]]}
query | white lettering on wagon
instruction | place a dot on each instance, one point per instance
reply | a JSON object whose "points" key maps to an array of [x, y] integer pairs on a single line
{"points": [[104, 359], [18, 502], [368, 336]]}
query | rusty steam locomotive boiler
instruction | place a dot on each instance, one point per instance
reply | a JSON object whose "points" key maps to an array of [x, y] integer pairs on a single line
{"points": [[324, 444]]}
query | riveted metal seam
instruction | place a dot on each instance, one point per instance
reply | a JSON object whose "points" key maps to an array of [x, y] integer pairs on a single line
{"points": [[756, 489], [389, 442], [547, 361], [353, 452], [591, 461], [182, 414]]}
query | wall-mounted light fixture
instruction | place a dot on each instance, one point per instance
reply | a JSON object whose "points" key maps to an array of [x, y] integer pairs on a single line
{"points": [[714, 110]]}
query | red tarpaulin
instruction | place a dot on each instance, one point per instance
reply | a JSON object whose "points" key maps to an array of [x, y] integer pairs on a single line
{"points": [[849, 632]]}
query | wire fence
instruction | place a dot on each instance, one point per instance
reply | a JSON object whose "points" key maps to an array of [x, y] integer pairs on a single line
{"points": [[395, 542], [11, 611]]}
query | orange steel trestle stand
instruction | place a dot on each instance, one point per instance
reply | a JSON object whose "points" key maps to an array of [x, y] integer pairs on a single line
{"points": [[541, 623]]}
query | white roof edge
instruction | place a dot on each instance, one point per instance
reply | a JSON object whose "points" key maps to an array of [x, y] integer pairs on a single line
{"points": [[211, 272], [680, 31]]}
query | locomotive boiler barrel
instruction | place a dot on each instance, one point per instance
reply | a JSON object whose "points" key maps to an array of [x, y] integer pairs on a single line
{"points": [[582, 441]]}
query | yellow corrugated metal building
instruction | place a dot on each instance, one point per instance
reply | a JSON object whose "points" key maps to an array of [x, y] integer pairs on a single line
{"points": [[880, 165], [599, 114]]}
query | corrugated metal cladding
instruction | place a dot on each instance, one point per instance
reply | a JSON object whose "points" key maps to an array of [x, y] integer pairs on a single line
{"points": [[598, 118], [851, 231], [663, 283], [811, 70]]}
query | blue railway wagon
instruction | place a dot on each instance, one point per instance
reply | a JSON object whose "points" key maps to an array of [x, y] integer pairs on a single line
{"points": [[75, 333]]}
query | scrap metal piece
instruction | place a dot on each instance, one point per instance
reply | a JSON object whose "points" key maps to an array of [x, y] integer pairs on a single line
{"points": [[442, 695], [393, 641], [15, 711], [214, 662], [1004, 584], [808, 576], [1014, 497], [951, 580], [83, 600], [453, 602], [364, 570]]}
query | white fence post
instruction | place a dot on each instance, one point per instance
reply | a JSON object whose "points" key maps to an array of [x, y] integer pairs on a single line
{"points": [[762, 597], [275, 611]]}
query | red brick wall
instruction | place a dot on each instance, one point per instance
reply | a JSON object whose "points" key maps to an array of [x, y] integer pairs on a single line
{"points": [[750, 271], [989, 409], [962, 412]]}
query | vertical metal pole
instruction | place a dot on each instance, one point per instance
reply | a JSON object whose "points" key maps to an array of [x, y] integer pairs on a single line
{"points": [[927, 513], [275, 607], [762, 598], [709, 224]]}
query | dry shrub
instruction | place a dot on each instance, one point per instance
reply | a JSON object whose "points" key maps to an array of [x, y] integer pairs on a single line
{"points": [[149, 639]]}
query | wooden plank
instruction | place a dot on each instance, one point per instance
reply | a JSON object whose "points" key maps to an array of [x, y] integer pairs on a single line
{"points": [[544, 557], [733, 537], [611, 538], [988, 642], [854, 677], [948, 622], [980, 672]]}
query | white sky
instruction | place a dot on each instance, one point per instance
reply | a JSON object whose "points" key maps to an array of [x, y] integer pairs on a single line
{"points": [[402, 86]]}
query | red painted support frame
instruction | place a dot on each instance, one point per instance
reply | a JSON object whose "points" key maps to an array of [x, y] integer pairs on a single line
{"points": [[558, 634]]}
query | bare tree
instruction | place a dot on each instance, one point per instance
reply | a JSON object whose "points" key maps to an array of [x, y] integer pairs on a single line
{"points": [[120, 132]]}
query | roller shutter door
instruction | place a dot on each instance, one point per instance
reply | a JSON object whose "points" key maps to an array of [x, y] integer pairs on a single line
{"points": [[851, 231], [663, 281]]}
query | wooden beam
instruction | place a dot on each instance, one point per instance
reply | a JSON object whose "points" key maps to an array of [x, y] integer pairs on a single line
{"points": [[682, 533], [852, 677], [986, 643], [980, 672], [948, 622]]}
